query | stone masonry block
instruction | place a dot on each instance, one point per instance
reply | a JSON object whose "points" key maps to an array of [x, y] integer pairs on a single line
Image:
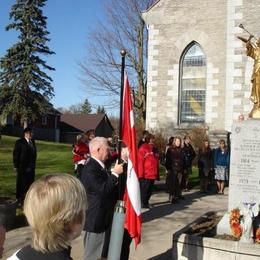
{"points": [[236, 101], [153, 104], [238, 16], [238, 72], [170, 82], [170, 72], [153, 84], [237, 86], [215, 70]]}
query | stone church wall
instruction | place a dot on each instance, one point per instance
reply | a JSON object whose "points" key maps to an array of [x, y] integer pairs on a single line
{"points": [[172, 26]]}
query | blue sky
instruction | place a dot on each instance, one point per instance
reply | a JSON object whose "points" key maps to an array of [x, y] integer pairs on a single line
{"points": [[68, 23]]}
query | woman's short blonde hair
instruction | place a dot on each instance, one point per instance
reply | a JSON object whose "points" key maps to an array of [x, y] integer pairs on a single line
{"points": [[53, 204]]}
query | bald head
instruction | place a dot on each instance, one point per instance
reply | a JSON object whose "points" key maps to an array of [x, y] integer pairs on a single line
{"points": [[99, 148]]}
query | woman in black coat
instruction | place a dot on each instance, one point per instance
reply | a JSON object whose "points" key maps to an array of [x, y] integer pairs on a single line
{"points": [[189, 155], [205, 165], [175, 166]]}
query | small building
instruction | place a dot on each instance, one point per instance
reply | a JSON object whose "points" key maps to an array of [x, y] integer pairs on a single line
{"points": [[46, 128], [198, 71], [74, 124]]}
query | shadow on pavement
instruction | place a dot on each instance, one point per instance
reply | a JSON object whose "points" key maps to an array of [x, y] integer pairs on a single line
{"points": [[164, 256], [164, 208]]}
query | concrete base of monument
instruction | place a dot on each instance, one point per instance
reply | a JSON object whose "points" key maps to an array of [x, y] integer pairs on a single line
{"points": [[187, 246], [223, 227]]}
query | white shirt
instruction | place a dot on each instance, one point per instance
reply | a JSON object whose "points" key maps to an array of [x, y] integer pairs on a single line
{"points": [[14, 257]]}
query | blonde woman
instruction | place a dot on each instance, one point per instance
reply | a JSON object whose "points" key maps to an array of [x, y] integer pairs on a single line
{"points": [[55, 207], [221, 165]]}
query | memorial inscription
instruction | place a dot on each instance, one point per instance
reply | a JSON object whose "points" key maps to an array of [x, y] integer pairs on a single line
{"points": [[244, 186]]}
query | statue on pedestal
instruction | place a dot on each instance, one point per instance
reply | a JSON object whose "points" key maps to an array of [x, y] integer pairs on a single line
{"points": [[253, 51]]}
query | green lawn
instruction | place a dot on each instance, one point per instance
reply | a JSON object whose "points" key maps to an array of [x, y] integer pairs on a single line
{"points": [[52, 158], [194, 178]]}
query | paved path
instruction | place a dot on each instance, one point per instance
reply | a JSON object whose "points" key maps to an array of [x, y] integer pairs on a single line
{"points": [[159, 224], [164, 219]]}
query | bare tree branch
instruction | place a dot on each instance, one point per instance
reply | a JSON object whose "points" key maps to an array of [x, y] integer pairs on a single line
{"points": [[123, 28]]}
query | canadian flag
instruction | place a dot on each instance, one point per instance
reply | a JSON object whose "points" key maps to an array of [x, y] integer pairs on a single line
{"points": [[132, 196]]}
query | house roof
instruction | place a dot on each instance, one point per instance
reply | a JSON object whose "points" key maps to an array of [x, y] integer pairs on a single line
{"points": [[84, 122], [151, 6], [52, 110]]}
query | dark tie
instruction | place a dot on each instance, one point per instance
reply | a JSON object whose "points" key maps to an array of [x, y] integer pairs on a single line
{"points": [[31, 144]]}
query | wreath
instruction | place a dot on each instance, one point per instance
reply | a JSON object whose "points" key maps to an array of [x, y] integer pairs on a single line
{"points": [[257, 235], [235, 220]]}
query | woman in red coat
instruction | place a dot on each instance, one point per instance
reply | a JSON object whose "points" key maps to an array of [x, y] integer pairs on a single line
{"points": [[148, 168], [80, 154]]}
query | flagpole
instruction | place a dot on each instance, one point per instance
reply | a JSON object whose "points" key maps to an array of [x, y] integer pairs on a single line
{"points": [[123, 53], [117, 230]]}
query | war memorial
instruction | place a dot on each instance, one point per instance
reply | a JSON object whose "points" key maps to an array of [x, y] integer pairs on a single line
{"points": [[197, 76]]}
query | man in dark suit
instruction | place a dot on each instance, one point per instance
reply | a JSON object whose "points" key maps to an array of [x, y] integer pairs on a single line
{"points": [[101, 188], [24, 158]]}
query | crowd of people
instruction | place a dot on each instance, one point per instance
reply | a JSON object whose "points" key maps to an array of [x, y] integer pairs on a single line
{"points": [[213, 164], [67, 205]]}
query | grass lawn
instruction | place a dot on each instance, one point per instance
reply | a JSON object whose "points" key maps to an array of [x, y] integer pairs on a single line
{"points": [[51, 158], [194, 178]]}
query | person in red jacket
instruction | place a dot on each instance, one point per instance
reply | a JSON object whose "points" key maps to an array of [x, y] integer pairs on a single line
{"points": [[148, 168], [80, 154]]}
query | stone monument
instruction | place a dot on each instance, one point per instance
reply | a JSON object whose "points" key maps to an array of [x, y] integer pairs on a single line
{"points": [[244, 184]]}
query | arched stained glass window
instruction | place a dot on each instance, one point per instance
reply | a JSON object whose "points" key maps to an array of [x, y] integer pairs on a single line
{"points": [[193, 85]]}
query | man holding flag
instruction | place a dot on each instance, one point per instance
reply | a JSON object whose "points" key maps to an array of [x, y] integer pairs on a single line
{"points": [[127, 215]]}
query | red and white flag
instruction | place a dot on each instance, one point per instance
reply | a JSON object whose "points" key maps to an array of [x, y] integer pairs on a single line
{"points": [[132, 196]]}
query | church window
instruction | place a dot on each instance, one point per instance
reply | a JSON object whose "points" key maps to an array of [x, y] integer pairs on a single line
{"points": [[192, 85]]}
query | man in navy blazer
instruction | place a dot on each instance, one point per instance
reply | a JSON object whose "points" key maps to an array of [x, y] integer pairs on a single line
{"points": [[24, 158], [101, 188]]}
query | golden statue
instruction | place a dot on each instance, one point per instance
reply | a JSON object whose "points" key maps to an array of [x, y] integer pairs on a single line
{"points": [[253, 51]]}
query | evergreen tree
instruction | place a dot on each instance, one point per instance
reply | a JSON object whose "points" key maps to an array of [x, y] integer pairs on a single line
{"points": [[86, 107], [101, 110], [25, 88]]}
